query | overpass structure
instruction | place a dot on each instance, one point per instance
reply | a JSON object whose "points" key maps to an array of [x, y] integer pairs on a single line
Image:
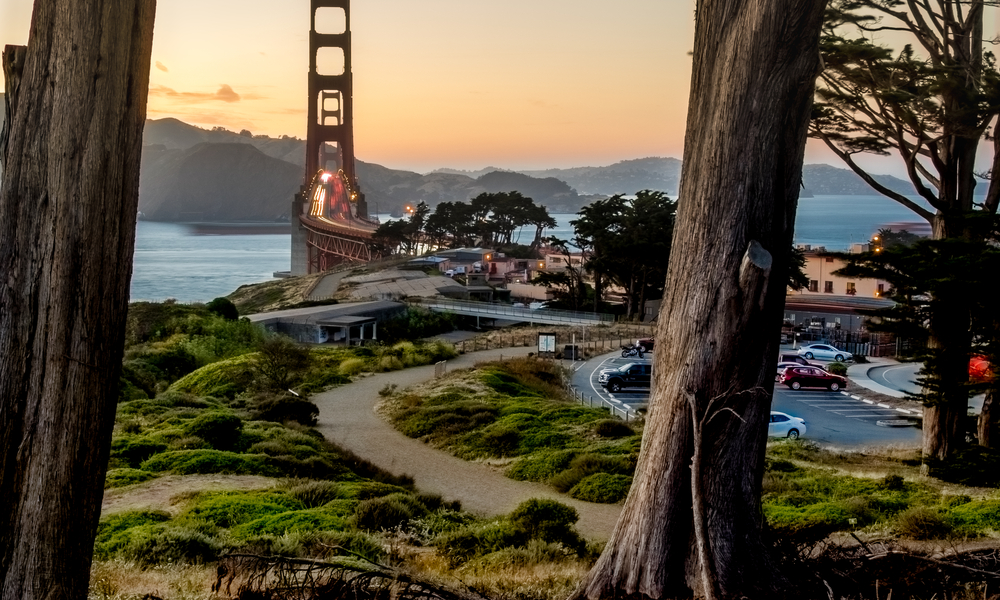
{"points": [[511, 313], [330, 222]]}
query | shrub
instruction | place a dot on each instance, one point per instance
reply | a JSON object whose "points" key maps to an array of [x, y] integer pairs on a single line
{"points": [[135, 450], [602, 487], [159, 544], [282, 408], [353, 366], [316, 493], [113, 531], [541, 465], [220, 430], [389, 363], [387, 512], [612, 428], [921, 523], [837, 368], [388, 390], [315, 543], [187, 462], [224, 308], [228, 509], [547, 520], [222, 379], [973, 465], [121, 477]]}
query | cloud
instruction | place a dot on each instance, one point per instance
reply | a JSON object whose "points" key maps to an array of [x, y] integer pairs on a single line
{"points": [[225, 93], [162, 67]]}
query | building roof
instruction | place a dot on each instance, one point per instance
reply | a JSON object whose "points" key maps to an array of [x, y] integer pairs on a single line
{"points": [[315, 314], [835, 303]]}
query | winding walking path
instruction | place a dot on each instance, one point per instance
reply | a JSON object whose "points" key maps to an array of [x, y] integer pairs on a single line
{"points": [[347, 417]]}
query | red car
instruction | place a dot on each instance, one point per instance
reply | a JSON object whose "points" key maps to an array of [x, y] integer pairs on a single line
{"points": [[979, 368], [645, 343], [800, 377]]}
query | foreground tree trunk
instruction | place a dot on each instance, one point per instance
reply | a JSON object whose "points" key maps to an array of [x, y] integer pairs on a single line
{"points": [[67, 220], [692, 519]]}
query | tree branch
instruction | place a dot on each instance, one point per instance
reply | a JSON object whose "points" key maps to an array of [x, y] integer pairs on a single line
{"points": [[922, 212]]}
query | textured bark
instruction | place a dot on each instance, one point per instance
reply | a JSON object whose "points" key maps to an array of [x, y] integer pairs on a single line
{"points": [[67, 220], [987, 422], [755, 63]]}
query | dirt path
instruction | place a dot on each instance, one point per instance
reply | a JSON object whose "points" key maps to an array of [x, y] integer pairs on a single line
{"points": [[156, 494], [347, 417]]}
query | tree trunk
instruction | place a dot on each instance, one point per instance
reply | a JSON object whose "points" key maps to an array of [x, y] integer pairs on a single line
{"points": [[67, 219], [754, 67], [987, 423]]}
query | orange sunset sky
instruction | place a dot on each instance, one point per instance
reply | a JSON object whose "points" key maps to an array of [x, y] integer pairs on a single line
{"points": [[516, 84]]}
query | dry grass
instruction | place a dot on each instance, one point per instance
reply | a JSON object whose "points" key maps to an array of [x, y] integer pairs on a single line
{"points": [[121, 580], [273, 295]]}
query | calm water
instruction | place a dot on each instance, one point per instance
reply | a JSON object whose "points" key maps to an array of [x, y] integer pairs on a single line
{"points": [[171, 261]]}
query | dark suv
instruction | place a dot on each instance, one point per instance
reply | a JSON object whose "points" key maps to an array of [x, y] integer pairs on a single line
{"points": [[632, 375]]}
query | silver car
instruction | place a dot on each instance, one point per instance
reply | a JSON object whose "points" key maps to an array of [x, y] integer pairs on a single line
{"points": [[824, 352]]}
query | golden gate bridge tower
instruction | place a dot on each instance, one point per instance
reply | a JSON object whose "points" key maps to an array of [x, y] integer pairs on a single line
{"points": [[330, 223]]}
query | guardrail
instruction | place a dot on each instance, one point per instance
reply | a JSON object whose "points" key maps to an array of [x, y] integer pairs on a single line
{"points": [[622, 412], [545, 315]]}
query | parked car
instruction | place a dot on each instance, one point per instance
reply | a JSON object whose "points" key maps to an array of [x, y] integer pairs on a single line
{"points": [[631, 375], [793, 358], [645, 343], [784, 365], [979, 368], [538, 305], [800, 377], [824, 352], [783, 425]]}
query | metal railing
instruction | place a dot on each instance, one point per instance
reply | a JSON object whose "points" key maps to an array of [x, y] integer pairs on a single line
{"points": [[542, 315]]}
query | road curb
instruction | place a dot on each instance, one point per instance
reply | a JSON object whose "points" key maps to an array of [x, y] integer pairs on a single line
{"points": [[915, 414]]}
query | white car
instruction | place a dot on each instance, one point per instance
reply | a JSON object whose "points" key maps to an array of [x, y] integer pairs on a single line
{"points": [[824, 352], [783, 425]]}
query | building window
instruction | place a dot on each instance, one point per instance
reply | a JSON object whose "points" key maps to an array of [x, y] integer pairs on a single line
{"points": [[828, 287], [851, 289], [829, 259], [813, 285], [881, 290]]}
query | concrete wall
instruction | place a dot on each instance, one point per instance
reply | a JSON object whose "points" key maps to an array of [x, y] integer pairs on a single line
{"points": [[300, 253]]}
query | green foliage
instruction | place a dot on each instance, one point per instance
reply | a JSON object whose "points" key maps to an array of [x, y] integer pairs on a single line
{"points": [[122, 477], [283, 407], [388, 512], [540, 466], [221, 430], [922, 523], [414, 324], [314, 494], [188, 462], [837, 368], [228, 509], [158, 544], [612, 428], [279, 361], [133, 450], [602, 487], [222, 379], [332, 517], [224, 308], [973, 465], [110, 539]]}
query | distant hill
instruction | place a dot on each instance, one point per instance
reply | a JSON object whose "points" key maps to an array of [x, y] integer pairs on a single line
{"points": [[194, 174], [213, 182], [823, 180]]}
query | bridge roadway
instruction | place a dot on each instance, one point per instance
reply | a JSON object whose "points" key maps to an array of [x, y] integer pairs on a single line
{"points": [[503, 311]]}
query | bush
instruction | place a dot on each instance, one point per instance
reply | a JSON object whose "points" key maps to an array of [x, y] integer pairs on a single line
{"points": [[612, 428], [134, 450], [160, 544], [837, 368], [282, 408], [973, 465], [541, 466], [602, 487], [224, 308], [121, 477], [332, 517], [387, 512], [110, 529], [547, 520], [228, 509], [187, 462], [921, 523], [220, 430], [316, 493], [353, 366]]}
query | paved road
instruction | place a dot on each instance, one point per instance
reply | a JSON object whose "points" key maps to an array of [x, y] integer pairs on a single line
{"points": [[832, 418], [897, 377]]}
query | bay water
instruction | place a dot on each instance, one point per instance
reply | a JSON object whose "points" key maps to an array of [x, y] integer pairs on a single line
{"points": [[179, 261]]}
